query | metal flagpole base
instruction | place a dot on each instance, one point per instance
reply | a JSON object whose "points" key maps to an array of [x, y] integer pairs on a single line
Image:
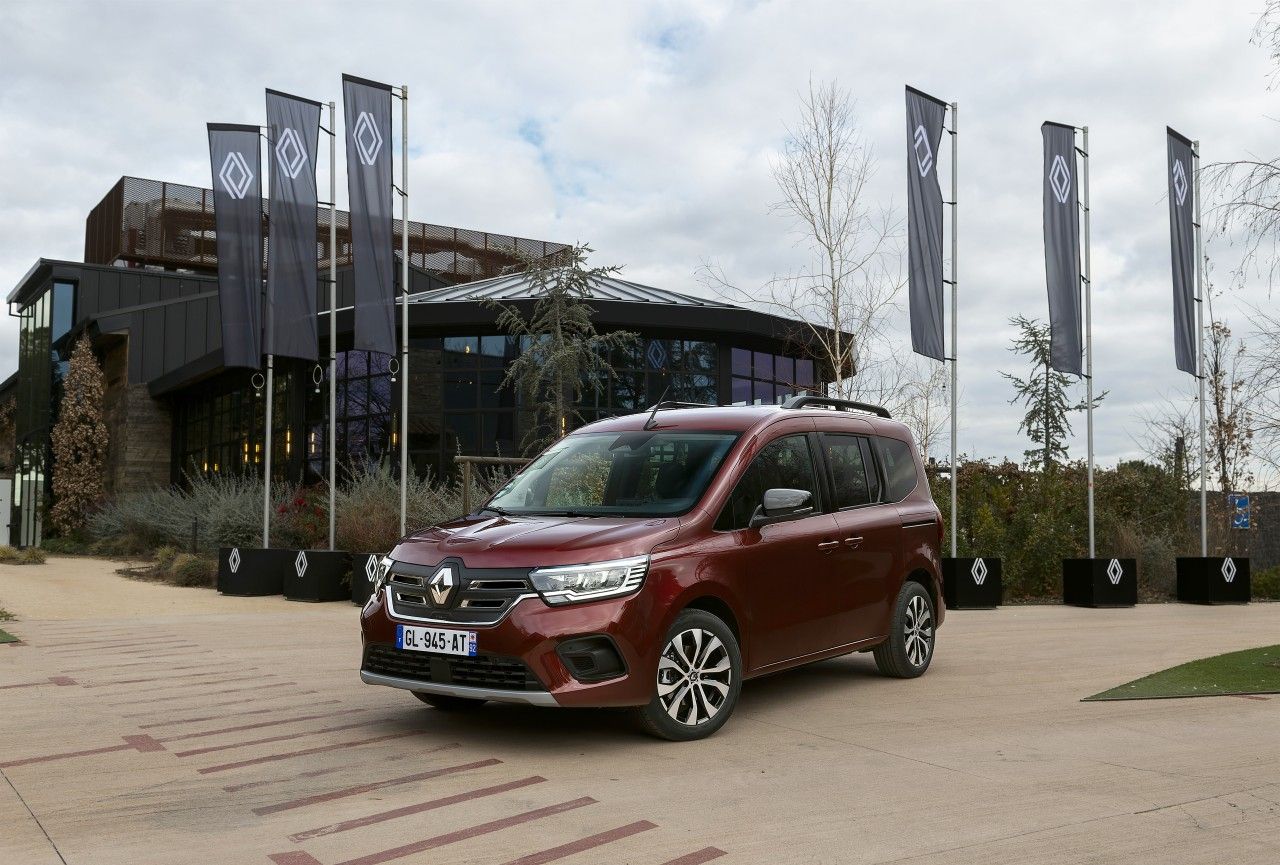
{"points": [[972, 584], [1214, 580], [1100, 582]]}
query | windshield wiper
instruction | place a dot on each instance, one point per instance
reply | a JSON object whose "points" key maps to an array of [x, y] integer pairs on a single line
{"points": [[495, 509]]}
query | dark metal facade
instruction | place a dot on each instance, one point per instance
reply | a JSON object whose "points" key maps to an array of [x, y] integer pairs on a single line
{"points": [[170, 225]]}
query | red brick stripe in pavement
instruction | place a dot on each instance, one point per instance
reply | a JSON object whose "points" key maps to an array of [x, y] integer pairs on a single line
{"points": [[52, 680], [271, 758], [298, 857], [283, 737], [589, 843], [706, 854], [141, 744], [238, 714], [376, 785], [418, 808]]}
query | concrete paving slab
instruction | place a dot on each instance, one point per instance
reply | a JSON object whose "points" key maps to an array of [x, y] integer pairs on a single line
{"points": [[149, 724]]}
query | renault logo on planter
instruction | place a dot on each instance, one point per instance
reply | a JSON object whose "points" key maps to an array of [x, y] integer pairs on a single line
{"points": [[441, 586], [1115, 571]]}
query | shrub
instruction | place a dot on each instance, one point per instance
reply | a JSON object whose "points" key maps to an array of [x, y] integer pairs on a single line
{"points": [[191, 571], [65, 545], [1266, 584], [24, 556], [164, 557]]}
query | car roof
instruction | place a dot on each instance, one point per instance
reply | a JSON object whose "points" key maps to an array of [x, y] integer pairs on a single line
{"points": [[741, 419]]}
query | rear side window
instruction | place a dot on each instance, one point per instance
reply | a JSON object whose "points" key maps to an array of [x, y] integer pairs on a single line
{"points": [[899, 468], [783, 464], [851, 476]]}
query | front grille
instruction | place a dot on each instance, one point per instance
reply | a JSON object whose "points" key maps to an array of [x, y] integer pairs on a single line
{"points": [[482, 671], [482, 597]]}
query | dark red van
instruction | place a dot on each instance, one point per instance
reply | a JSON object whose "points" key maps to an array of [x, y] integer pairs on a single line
{"points": [[658, 560]]}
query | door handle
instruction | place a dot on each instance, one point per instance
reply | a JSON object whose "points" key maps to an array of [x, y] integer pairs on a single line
{"points": [[854, 542], [828, 546]]}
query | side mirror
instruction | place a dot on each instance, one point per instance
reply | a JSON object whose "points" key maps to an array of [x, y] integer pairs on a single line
{"points": [[782, 504]]}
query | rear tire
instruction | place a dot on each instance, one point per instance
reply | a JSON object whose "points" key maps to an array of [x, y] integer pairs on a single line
{"points": [[698, 679], [909, 649], [447, 703]]}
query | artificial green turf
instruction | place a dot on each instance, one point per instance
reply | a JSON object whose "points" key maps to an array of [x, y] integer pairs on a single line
{"points": [[6, 637], [1253, 671]]}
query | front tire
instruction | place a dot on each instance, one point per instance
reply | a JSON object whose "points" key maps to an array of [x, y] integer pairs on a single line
{"points": [[909, 649], [698, 680], [447, 703]]}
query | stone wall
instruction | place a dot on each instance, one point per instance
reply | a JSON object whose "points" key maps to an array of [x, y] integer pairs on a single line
{"points": [[139, 450]]}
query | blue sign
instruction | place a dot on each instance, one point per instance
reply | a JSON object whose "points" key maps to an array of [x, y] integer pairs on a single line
{"points": [[1240, 517]]}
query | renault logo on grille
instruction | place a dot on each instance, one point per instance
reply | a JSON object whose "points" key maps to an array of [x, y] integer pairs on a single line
{"points": [[441, 586]]}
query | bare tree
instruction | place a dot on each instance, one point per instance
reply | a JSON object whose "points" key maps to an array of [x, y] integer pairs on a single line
{"points": [[1262, 368], [845, 294], [1169, 439], [924, 405]]}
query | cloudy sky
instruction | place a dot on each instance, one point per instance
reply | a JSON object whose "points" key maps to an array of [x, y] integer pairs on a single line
{"points": [[648, 130]]}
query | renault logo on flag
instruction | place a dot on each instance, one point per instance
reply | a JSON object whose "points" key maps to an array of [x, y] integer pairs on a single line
{"points": [[924, 155], [441, 586], [235, 175], [1179, 182], [367, 137], [1060, 179], [290, 153]]}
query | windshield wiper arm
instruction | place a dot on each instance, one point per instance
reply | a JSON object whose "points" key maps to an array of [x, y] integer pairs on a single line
{"points": [[495, 509]]}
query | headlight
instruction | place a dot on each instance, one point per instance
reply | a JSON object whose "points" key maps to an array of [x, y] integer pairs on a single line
{"points": [[573, 584]]}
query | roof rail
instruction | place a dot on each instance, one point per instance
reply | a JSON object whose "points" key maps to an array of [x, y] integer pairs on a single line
{"points": [[806, 400]]}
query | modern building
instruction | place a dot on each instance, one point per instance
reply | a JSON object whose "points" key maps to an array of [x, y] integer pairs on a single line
{"points": [[146, 294]]}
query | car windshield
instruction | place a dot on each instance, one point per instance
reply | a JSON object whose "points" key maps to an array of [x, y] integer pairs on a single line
{"points": [[659, 473]]}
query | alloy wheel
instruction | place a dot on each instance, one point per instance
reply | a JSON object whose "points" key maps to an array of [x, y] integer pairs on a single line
{"points": [[694, 677], [918, 626]]}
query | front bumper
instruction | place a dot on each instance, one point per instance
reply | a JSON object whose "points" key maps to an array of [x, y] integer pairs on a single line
{"points": [[500, 695], [530, 632]]}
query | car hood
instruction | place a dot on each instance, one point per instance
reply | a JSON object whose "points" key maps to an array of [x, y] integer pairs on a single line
{"points": [[535, 541]]}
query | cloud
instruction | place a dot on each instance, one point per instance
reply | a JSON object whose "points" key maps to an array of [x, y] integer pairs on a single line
{"points": [[648, 130]]}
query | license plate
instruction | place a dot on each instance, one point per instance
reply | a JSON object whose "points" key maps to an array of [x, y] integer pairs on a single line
{"points": [[438, 640]]}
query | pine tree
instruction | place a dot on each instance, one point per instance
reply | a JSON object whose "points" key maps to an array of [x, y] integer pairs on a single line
{"points": [[79, 442], [565, 356], [1044, 392]]}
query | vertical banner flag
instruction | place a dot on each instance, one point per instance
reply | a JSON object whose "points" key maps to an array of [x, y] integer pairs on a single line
{"points": [[1062, 247], [235, 155], [293, 136], [924, 223], [366, 106], [1183, 245]]}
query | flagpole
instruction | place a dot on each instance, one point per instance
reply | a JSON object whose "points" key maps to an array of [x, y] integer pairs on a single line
{"points": [[1200, 307], [955, 354], [270, 388], [333, 324], [1088, 334], [404, 306]]}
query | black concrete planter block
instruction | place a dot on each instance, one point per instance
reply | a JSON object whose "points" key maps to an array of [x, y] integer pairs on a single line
{"points": [[364, 568], [972, 584], [1100, 582], [1214, 580], [317, 575], [252, 571]]}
